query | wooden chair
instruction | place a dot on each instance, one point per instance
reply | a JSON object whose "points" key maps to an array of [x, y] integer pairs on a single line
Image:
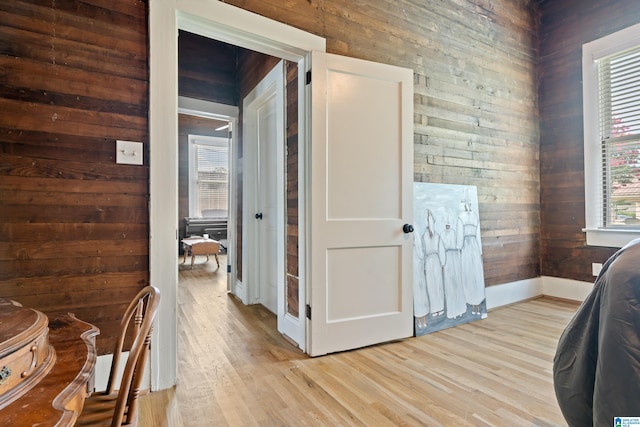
{"points": [[120, 407]]}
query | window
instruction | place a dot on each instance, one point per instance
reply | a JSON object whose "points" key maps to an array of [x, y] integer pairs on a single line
{"points": [[611, 99], [209, 177]]}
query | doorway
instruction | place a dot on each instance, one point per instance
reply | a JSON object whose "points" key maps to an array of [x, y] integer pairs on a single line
{"points": [[229, 76], [226, 23], [206, 170]]}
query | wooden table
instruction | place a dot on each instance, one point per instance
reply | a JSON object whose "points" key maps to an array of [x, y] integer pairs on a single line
{"points": [[56, 397], [200, 246]]}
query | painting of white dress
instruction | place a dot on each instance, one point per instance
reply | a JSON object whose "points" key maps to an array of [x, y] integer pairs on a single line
{"points": [[448, 279]]}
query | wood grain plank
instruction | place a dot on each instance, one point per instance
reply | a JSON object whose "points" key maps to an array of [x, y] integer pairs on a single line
{"points": [[74, 225], [492, 372]]}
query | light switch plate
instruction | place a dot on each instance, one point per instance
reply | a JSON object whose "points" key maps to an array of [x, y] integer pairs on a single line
{"points": [[128, 152]]}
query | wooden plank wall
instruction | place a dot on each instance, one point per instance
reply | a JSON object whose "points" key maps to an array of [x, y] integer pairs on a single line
{"points": [[564, 27], [476, 106], [73, 223], [207, 69], [74, 76]]}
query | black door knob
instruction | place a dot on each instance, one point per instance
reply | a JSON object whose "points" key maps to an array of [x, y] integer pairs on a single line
{"points": [[407, 228], [259, 215]]}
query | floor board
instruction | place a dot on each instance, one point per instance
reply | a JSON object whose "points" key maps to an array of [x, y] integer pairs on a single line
{"points": [[234, 369]]}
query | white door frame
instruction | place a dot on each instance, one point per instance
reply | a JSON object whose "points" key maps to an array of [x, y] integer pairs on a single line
{"points": [[217, 20]]}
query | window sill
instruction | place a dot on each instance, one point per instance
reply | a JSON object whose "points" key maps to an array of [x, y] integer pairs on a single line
{"points": [[609, 237]]}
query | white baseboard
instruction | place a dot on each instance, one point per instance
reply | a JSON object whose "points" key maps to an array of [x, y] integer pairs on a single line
{"points": [[241, 291], [575, 290], [510, 293], [103, 367]]}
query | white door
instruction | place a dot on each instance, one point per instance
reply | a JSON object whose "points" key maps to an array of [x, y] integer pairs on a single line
{"points": [[360, 198], [263, 202], [266, 209]]}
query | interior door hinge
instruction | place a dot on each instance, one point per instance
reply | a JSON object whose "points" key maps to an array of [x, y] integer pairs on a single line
{"points": [[308, 312], [309, 77]]}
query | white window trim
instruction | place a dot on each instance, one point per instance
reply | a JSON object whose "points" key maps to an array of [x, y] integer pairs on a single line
{"points": [[591, 52], [204, 140]]}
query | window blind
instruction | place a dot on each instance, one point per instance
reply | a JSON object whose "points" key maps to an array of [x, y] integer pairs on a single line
{"points": [[619, 111], [212, 179]]}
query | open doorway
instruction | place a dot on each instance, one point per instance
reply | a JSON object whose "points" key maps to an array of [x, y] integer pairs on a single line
{"points": [[219, 21], [206, 179], [209, 183], [219, 77]]}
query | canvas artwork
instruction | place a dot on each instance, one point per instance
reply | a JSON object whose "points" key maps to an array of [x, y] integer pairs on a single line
{"points": [[448, 280]]}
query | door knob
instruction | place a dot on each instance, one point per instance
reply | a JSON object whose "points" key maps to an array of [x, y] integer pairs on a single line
{"points": [[407, 228], [259, 215]]}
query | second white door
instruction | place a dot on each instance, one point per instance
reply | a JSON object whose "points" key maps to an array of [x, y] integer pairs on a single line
{"points": [[266, 215], [264, 191]]}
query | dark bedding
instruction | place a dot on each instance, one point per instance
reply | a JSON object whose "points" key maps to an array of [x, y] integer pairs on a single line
{"points": [[596, 368]]}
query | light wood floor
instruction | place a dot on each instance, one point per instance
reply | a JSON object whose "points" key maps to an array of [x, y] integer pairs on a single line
{"points": [[235, 370]]}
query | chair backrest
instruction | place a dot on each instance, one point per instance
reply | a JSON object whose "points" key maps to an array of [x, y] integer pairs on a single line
{"points": [[142, 310]]}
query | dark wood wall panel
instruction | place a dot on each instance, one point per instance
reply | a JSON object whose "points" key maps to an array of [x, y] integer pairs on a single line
{"points": [[207, 69], [74, 78], [476, 101], [74, 224], [565, 27]]}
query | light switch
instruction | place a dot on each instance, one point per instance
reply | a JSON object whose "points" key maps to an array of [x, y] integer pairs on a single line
{"points": [[129, 152]]}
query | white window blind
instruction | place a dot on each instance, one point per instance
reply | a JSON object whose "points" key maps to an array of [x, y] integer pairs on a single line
{"points": [[212, 179], [619, 127]]}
